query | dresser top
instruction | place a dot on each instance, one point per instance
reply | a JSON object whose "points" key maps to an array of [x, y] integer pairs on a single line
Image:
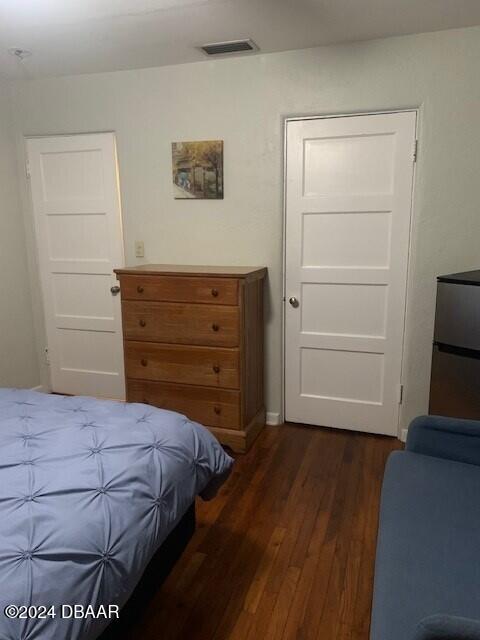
{"points": [[193, 270]]}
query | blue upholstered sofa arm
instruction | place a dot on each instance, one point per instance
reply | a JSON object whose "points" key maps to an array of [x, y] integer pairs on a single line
{"points": [[442, 437], [442, 627]]}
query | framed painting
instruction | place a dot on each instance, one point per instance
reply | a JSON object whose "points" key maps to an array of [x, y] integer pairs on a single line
{"points": [[197, 169]]}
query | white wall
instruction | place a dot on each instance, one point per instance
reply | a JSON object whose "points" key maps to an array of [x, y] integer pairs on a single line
{"points": [[244, 101], [18, 362]]}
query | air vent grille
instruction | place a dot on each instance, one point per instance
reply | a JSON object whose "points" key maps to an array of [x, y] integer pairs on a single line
{"points": [[234, 46]]}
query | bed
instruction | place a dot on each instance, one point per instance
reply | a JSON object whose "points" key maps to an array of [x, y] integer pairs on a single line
{"points": [[90, 490]]}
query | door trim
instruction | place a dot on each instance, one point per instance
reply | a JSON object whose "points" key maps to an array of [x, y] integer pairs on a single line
{"points": [[286, 120]]}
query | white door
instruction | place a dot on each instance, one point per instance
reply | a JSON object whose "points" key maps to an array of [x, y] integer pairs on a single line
{"points": [[76, 204], [348, 208]]}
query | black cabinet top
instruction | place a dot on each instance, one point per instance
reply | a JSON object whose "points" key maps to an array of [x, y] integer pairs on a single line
{"points": [[466, 277]]}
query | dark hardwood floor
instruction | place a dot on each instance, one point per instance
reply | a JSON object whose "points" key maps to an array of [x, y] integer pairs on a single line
{"points": [[286, 551]]}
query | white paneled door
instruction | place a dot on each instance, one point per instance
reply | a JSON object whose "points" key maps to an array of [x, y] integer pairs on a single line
{"points": [[76, 204], [348, 208]]}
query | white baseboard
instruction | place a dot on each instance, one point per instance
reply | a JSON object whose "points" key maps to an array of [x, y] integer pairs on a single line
{"points": [[273, 418], [403, 435], [40, 388]]}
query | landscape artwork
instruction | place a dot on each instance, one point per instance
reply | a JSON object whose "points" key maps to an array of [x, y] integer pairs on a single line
{"points": [[198, 169]]}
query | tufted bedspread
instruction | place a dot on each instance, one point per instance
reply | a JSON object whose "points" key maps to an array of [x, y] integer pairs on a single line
{"points": [[89, 489]]}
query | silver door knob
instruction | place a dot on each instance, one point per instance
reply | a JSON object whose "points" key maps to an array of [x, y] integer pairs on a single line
{"points": [[115, 290], [293, 301]]}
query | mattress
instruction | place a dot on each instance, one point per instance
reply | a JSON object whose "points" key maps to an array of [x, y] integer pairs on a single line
{"points": [[89, 489]]}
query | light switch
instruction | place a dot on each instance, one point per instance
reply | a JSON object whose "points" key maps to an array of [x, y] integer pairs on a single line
{"points": [[139, 249]]}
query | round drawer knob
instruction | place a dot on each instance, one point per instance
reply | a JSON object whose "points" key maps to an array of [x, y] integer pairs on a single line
{"points": [[144, 362], [140, 289], [215, 293], [215, 327], [216, 368], [142, 323], [217, 410]]}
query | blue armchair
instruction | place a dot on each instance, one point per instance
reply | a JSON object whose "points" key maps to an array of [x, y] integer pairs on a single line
{"points": [[447, 628], [448, 438], [427, 573]]}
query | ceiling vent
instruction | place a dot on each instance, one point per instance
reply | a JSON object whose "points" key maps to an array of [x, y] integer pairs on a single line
{"points": [[233, 46]]}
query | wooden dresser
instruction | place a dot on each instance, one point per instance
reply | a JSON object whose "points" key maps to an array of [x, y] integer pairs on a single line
{"points": [[193, 340]]}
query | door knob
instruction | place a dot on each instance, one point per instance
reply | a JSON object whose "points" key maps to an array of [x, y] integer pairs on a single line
{"points": [[115, 290], [294, 302]]}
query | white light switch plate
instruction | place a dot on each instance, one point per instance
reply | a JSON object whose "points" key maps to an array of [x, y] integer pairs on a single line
{"points": [[139, 249]]}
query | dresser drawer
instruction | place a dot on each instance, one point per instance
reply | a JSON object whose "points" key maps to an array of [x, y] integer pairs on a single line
{"points": [[206, 366], [210, 407], [198, 324], [180, 289]]}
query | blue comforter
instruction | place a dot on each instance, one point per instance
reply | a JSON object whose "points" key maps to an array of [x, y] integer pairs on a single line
{"points": [[89, 489]]}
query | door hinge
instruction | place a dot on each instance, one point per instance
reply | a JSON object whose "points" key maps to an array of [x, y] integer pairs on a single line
{"points": [[27, 169], [400, 393], [47, 357], [415, 151]]}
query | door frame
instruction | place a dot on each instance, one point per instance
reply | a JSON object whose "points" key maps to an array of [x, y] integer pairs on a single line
{"points": [[418, 111], [36, 284]]}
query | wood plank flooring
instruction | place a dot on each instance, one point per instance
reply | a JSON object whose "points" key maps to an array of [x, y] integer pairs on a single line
{"points": [[286, 551]]}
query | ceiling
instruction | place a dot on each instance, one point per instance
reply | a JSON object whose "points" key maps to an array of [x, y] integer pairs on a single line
{"points": [[84, 36]]}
